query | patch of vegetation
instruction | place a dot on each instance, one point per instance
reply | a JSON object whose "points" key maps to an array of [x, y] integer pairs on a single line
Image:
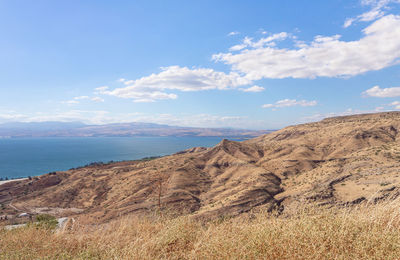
{"points": [[145, 159], [100, 163], [45, 221]]}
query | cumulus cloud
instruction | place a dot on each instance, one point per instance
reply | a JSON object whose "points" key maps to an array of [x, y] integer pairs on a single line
{"points": [[291, 103], [325, 56], [254, 88], [376, 91], [156, 86]]}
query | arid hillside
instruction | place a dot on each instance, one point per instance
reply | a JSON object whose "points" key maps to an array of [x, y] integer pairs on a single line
{"points": [[340, 161]]}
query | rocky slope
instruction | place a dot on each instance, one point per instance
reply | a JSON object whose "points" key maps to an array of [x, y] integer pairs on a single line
{"points": [[343, 161]]}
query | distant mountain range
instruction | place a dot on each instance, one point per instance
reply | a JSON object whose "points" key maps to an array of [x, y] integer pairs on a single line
{"points": [[78, 129]]}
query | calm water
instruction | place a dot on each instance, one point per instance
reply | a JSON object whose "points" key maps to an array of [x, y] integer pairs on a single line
{"points": [[23, 157]]}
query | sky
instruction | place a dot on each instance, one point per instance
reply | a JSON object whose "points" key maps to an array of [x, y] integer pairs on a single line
{"points": [[226, 63]]}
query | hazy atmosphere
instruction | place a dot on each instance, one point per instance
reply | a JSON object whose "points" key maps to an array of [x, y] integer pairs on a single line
{"points": [[202, 64]]}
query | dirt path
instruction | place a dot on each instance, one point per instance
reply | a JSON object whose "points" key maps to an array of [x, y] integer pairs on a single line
{"points": [[12, 206]]}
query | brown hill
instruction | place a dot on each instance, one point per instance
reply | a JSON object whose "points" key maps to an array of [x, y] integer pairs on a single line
{"points": [[342, 160]]}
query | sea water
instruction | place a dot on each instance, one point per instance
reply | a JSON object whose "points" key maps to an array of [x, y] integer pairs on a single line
{"points": [[22, 157]]}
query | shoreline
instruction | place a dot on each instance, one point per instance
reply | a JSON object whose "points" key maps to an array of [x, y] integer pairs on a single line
{"points": [[6, 181]]}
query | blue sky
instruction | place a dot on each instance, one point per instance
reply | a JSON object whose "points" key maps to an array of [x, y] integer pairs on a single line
{"points": [[246, 64]]}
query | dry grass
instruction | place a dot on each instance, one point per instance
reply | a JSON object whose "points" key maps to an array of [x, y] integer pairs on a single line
{"points": [[366, 232]]}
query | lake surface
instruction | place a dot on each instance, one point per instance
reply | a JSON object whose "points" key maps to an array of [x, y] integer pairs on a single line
{"points": [[22, 157]]}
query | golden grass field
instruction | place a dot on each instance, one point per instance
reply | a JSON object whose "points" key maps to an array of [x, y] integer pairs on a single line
{"points": [[368, 231]]}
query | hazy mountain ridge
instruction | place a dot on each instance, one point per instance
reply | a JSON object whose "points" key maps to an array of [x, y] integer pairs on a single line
{"points": [[77, 129]]}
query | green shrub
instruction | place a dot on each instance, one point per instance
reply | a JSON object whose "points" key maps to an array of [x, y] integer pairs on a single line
{"points": [[45, 221]]}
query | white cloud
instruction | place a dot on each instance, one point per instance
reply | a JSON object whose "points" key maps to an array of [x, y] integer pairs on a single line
{"points": [[267, 41], [233, 33], [70, 102], [395, 104], [76, 100], [348, 22], [376, 91], [81, 97], [238, 47], [97, 99], [323, 57], [101, 89], [291, 103], [365, 17], [254, 88], [10, 116], [140, 95], [377, 11], [371, 15], [155, 86]]}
